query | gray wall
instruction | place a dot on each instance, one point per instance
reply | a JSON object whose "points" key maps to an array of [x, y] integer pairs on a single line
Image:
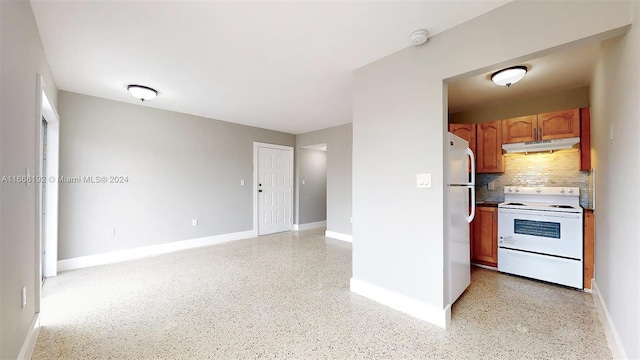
{"points": [[615, 101], [22, 58], [180, 167], [338, 140], [399, 126], [312, 196]]}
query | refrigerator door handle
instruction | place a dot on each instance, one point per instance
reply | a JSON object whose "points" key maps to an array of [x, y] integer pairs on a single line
{"points": [[473, 205], [473, 167], [472, 186]]}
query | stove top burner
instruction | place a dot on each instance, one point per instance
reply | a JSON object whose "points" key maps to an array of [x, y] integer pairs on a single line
{"points": [[516, 204], [562, 206]]}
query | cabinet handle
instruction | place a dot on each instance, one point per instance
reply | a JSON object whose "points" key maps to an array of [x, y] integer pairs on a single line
{"points": [[535, 134], [540, 132], [495, 216]]}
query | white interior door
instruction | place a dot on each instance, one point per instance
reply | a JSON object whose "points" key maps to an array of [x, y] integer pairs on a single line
{"points": [[274, 189]]}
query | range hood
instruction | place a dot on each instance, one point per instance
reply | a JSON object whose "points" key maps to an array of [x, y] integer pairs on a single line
{"points": [[542, 145]]}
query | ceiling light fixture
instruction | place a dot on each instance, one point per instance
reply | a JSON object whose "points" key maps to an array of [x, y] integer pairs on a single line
{"points": [[142, 92], [509, 76]]}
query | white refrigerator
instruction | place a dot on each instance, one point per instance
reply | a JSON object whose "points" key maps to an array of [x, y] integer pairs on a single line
{"points": [[461, 210]]}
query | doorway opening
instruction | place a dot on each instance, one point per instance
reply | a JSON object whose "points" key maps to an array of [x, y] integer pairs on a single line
{"points": [[48, 141], [311, 187], [43, 200]]}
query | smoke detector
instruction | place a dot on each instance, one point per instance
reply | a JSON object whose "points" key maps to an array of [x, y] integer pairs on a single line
{"points": [[419, 37]]}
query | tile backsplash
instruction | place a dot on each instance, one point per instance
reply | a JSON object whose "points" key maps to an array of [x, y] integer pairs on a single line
{"points": [[560, 168]]}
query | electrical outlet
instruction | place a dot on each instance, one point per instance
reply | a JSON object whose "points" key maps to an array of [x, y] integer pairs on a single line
{"points": [[23, 295], [491, 185], [241, 182], [194, 222], [303, 182]]}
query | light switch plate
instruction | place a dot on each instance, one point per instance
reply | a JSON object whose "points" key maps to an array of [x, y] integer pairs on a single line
{"points": [[423, 180]]}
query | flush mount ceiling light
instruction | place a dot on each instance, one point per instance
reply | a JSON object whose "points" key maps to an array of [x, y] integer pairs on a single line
{"points": [[509, 76], [142, 92]]}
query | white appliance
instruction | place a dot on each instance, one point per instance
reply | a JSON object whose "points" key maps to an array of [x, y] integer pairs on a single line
{"points": [[541, 145], [540, 234], [460, 213]]}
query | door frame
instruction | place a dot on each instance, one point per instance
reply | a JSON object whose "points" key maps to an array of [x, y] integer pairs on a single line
{"points": [[46, 110], [256, 162]]}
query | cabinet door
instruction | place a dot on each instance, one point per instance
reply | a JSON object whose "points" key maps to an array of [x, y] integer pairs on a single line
{"points": [[585, 139], [467, 132], [589, 248], [485, 236], [559, 124], [520, 129], [489, 158]]}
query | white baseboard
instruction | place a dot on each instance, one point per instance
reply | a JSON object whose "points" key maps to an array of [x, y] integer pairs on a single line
{"points": [[617, 350], [415, 308], [145, 251], [338, 236], [309, 226], [30, 341], [485, 266]]}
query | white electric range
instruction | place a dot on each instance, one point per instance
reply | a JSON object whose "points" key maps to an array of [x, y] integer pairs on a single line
{"points": [[540, 234]]}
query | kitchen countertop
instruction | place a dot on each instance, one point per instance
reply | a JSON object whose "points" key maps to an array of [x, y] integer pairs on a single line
{"points": [[495, 204], [488, 203]]}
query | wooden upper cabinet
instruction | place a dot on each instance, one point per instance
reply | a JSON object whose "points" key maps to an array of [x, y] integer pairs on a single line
{"points": [[585, 139], [489, 157], [559, 124], [520, 129], [549, 126], [467, 132]]}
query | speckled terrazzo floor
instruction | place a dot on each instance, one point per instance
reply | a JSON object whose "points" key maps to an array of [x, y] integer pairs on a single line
{"points": [[287, 296]]}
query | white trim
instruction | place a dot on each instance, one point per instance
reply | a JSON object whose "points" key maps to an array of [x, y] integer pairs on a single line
{"points": [[484, 266], [415, 308], [338, 236], [145, 251], [309, 226], [617, 350], [256, 145], [30, 340]]}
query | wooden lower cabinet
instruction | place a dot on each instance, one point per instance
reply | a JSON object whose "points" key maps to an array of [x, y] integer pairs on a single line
{"points": [[589, 248], [484, 241]]}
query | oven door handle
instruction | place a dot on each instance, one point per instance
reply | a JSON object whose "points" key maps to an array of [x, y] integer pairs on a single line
{"points": [[473, 204]]}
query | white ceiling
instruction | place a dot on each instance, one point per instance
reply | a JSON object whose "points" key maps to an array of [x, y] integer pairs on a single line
{"points": [[277, 65], [567, 69]]}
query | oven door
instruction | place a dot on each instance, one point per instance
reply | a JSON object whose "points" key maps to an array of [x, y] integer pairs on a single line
{"points": [[542, 232]]}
